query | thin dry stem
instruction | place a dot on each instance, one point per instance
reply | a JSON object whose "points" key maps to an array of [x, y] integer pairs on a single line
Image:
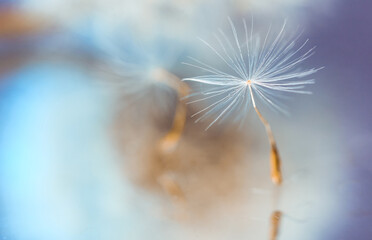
{"points": [[275, 222], [168, 143], [170, 140], [276, 175]]}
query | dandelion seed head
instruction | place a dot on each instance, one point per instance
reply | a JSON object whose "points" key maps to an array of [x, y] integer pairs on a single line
{"points": [[262, 68], [140, 73]]}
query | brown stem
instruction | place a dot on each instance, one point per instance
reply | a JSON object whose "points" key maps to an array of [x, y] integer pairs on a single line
{"points": [[170, 140], [275, 222], [276, 175]]}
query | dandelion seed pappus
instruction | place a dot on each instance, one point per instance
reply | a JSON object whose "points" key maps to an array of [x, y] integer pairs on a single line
{"points": [[259, 69]]}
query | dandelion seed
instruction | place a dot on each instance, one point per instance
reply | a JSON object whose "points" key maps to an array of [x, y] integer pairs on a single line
{"points": [[140, 70], [138, 86], [256, 68]]}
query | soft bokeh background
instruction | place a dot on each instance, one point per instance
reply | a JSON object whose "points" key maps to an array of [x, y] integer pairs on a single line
{"points": [[77, 158]]}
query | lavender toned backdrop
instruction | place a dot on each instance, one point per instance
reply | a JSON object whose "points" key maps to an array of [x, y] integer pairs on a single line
{"points": [[343, 36], [344, 46]]}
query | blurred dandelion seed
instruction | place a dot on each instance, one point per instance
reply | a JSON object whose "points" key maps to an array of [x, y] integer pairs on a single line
{"points": [[137, 83], [143, 76], [171, 139], [264, 69]]}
